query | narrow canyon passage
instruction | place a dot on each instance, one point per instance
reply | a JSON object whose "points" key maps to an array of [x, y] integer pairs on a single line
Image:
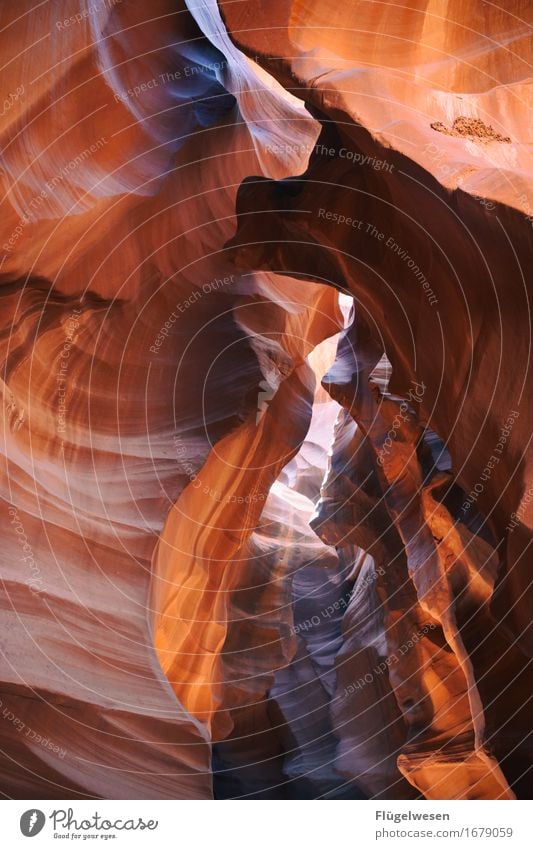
{"points": [[265, 341]]}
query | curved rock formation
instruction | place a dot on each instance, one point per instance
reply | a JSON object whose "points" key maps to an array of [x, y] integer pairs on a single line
{"points": [[245, 556]]}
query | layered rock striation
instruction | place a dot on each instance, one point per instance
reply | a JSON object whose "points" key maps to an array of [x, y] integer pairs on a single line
{"points": [[266, 480]]}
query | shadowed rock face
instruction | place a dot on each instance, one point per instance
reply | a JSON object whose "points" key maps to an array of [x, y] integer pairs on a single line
{"points": [[438, 283], [253, 546]]}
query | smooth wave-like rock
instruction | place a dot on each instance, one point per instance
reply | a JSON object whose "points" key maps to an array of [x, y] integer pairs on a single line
{"points": [[439, 287], [245, 556], [120, 318]]}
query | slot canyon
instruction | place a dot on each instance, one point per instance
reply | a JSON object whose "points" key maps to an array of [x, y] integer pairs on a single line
{"points": [[267, 489]]}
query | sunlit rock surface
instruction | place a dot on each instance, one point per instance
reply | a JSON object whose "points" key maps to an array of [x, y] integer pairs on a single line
{"points": [[260, 540]]}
